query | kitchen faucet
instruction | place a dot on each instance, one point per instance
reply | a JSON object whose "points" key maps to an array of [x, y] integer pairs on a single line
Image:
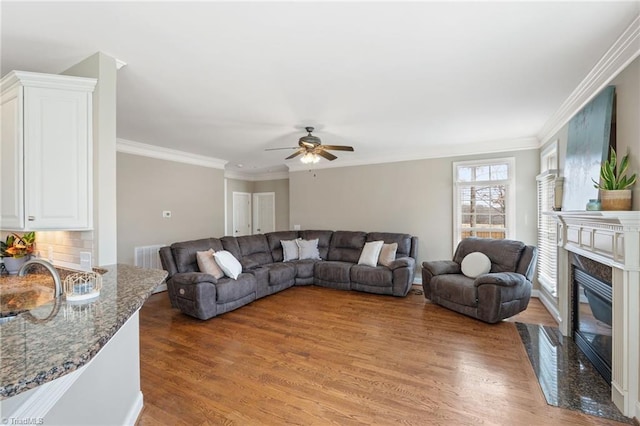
{"points": [[52, 270]]}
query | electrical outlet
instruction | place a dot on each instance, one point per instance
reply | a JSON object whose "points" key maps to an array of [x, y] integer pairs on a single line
{"points": [[296, 227], [85, 260], [166, 214]]}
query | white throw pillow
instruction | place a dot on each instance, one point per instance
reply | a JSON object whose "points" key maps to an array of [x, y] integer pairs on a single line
{"points": [[207, 264], [290, 250], [370, 253], [229, 264], [388, 254], [475, 264], [308, 249]]}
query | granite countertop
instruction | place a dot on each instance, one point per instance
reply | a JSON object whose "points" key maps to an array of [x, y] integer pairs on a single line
{"points": [[57, 337]]}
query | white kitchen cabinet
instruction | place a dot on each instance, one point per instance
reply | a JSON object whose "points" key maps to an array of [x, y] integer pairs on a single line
{"points": [[46, 160]]}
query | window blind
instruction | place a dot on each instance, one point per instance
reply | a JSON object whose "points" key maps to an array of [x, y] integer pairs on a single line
{"points": [[547, 233]]}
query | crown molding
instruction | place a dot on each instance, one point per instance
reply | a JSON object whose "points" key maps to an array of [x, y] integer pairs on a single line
{"points": [[54, 81], [145, 150], [618, 57], [487, 147], [255, 177]]}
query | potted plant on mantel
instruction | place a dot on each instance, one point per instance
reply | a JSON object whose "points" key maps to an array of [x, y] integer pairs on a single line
{"points": [[614, 184], [16, 250]]}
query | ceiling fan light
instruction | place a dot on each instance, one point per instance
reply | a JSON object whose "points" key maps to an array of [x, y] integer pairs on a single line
{"points": [[309, 157]]}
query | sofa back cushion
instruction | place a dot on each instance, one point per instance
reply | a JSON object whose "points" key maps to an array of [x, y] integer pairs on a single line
{"points": [[230, 244], [274, 238], [324, 239], [504, 254], [254, 249], [184, 253], [346, 246], [403, 241]]}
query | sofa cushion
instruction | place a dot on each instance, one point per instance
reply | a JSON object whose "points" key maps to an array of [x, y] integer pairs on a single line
{"points": [[504, 254], [207, 263], [455, 288], [274, 238], [346, 246], [475, 264], [255, 248], [228, 290], [333, 271], [370, 253], [379, 276], [228, 263], [308, 249], [403, 241], [230, 244], [281, 273], [387, 254], [304, 268], [184, 253], [323, 237]]}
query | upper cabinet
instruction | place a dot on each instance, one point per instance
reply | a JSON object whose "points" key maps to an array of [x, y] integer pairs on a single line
{"points": [[46, 160]]}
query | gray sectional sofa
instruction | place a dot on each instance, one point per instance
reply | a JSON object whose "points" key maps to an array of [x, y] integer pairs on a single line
{"points": [[264, 272]]}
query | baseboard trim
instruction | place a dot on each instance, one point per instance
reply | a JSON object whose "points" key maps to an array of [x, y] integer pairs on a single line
{"points": [[162, 287], [136, 409]]}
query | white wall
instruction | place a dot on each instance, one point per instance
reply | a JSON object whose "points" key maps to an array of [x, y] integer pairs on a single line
{"points": [[414, 197], [148, 186]]}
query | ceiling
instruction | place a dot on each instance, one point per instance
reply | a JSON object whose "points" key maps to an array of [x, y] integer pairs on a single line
{"points": [[395, 80]]}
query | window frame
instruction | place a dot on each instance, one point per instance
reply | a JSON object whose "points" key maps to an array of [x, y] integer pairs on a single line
{"points": [[510, 183]]}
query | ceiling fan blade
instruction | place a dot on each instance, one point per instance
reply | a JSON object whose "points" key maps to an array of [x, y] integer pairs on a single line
{"points": [[295, 154], [277, 149], [338, 147], [329, 156]]}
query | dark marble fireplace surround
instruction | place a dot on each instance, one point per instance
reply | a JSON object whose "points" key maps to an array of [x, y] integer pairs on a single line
{"points": [[591, 312]]}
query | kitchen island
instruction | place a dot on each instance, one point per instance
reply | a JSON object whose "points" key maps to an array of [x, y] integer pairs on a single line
{"points": [[76, 363]]}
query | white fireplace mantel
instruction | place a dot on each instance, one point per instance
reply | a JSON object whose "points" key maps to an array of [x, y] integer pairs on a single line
{"points": [[611, 238]]}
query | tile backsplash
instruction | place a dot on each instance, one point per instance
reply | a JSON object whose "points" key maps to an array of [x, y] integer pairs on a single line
{"points": [[64, 245]]}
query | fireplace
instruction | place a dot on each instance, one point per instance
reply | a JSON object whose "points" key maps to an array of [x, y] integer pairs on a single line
{"points": [[602, 249], [592, 312]]}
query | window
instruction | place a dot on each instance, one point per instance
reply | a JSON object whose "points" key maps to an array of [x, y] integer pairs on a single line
{"points": [[547, 227], [484, 199]]}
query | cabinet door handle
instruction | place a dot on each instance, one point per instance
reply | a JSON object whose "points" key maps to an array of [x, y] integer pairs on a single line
{"points": [[31, 218]]}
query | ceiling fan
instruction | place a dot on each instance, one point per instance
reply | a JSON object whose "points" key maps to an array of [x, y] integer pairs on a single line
{"points": [[311, 149]]}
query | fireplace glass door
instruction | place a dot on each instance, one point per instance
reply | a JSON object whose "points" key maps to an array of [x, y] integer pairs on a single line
{"points": [[592, 320]]}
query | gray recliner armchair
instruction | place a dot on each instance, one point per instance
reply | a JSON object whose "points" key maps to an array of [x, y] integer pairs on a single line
{"points": [[492, 297]]}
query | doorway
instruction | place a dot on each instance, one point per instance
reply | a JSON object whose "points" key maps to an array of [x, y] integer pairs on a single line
{"points": [[241, 214], [264, 212]]}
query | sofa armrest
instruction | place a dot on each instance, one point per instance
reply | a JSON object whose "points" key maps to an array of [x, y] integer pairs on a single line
{"points": [[442, 267], [188, 278], [504, 279], [402, 262]]}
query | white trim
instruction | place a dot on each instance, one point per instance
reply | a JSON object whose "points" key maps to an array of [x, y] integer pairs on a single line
{"points": [[253, 177], [510, 183], [417, 280], [152, 151], [226, 206], [135, 410], [620, 54], [549, 304], [470, 149], [55, 81], [120, 64]]}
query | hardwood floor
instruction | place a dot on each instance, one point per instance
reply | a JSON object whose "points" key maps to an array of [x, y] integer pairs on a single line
{"points": [[312, 355]]}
